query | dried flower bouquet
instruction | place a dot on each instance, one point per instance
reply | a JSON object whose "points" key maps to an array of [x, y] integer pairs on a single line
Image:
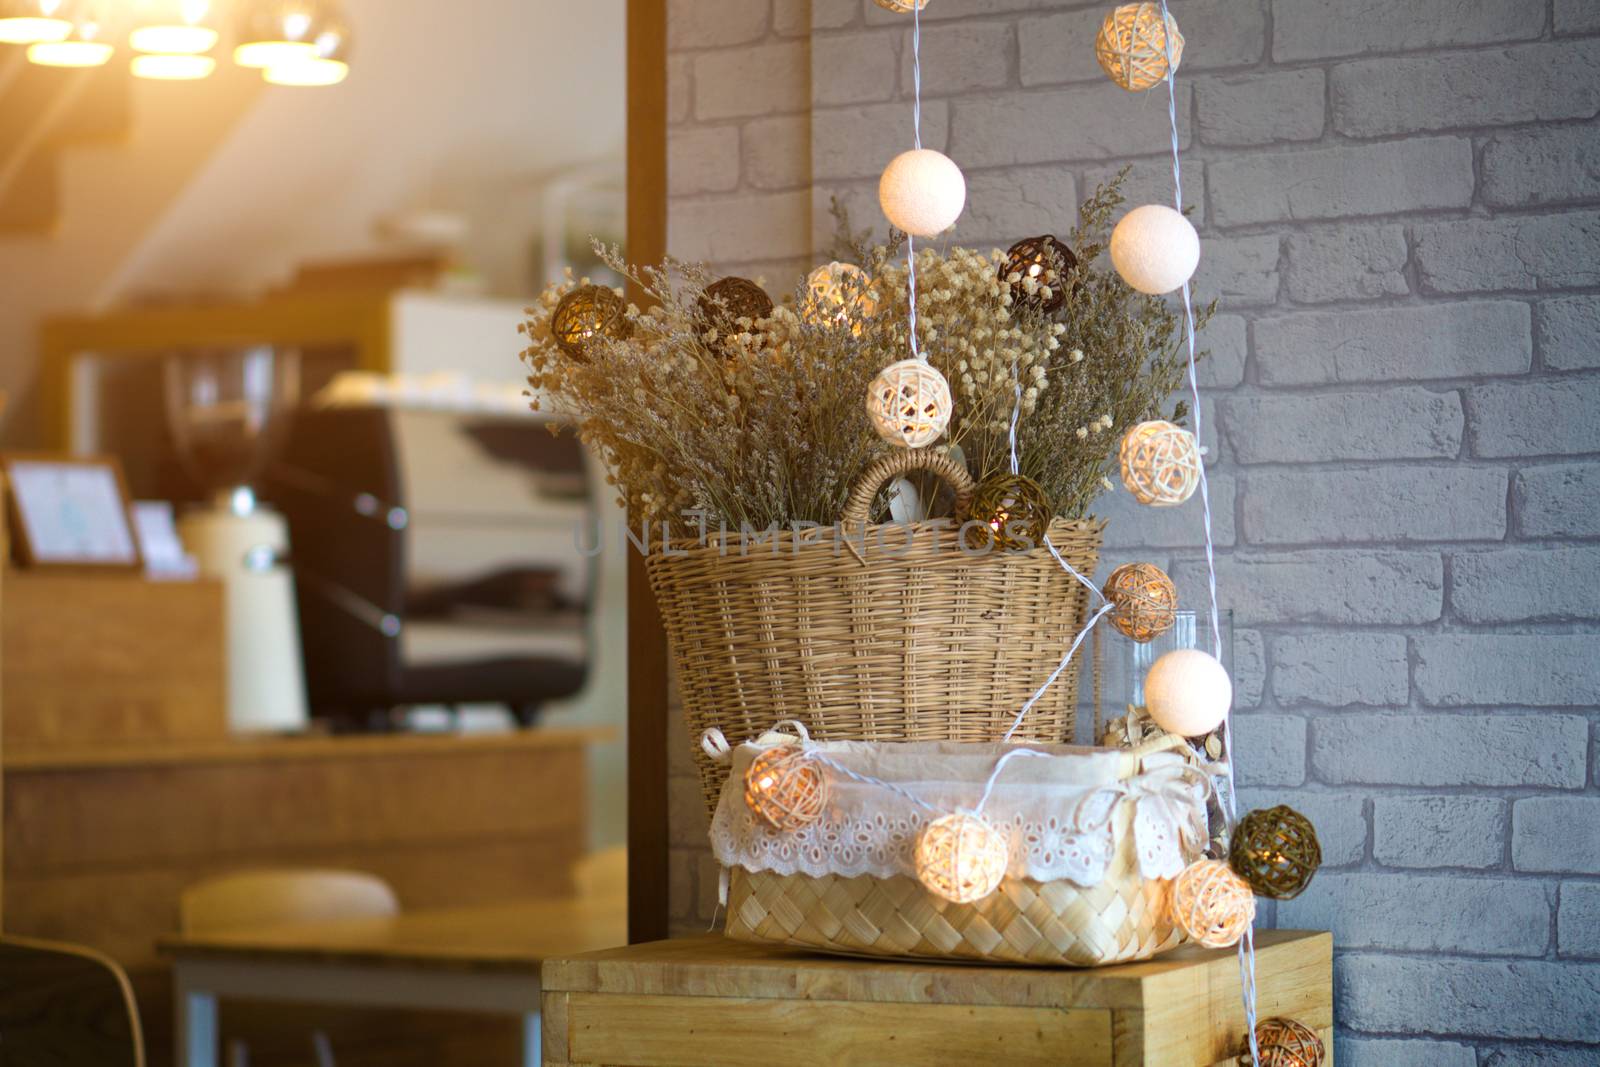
{"points": [[761, 422]]}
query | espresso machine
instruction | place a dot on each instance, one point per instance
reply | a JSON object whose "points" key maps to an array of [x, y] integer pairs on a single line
{"points": [[228, 410]]}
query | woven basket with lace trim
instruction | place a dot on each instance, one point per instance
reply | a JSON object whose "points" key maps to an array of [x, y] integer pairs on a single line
{"points": [[1125, 917]]}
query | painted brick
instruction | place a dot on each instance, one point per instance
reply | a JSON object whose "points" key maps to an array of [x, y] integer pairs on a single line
{"points": [[1534, 418], [1449, 750], [854, 68], [1259, 109], [762, 80], [1313, 29], [730, 229], [1457, 340], [1249, 668], [1562, 500], [703, 160], [714, 23], [1540, 167], [1526, 585], [793, 18], [680, 90], [1132, 525], [1339, 669], [1522, 252], [954, 9], [1483, 916], [959, 59], [1556, 834], [1341, 826], [1384, 504], [1322, 586], [1502, 998], [1543, 670], [1225, 342], [1347, 263], [1149, 181], [1529, 83], [1269, 750], [1004, 206], [1088, 123], [681, 863], [1059, 48], [777, 152], [1568, 329], [1444, 831], [857, 142], [1578, 920], [1393, 1052], [829, 14], [1238, 271], [1342, 182], [1536, 1056], [1577, 16], [1400, 422], [684, 799]]}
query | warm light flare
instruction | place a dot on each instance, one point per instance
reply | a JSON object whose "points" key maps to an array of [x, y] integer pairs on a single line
{"points": [[266, 54], [33, 30], [173, 68], [173, 40], [308, 72], [70, 53]]}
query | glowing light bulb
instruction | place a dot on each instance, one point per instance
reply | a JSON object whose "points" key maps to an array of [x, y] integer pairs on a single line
{"points": [[173, 67], [33, 21]]}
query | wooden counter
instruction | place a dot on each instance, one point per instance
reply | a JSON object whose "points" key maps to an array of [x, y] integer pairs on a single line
{"points": [[99, 842]]}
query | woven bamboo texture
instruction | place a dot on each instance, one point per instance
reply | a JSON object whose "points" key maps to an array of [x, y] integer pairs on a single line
{"points": [[881, 638], [1054, 923]]}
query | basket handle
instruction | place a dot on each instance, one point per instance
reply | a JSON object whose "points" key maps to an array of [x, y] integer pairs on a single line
{"points": [[901, 462]]}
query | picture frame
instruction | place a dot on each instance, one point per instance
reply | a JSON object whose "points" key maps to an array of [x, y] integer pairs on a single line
{"points": [[70, 513]]}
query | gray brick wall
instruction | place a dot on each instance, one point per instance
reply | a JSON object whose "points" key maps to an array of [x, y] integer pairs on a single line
{"points": [[1400, 202]]}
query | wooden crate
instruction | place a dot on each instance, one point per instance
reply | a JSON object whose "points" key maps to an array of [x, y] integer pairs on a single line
{"points": [[110, 659], [711, 1001]]}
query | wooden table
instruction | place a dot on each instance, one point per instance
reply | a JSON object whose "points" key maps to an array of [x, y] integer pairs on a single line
{"points": [[480, 959], [713, 1002]]}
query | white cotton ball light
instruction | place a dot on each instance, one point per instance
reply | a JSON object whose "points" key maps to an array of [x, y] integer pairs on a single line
{"points": [[922, 192], [1187, 692], [1155, 249]]}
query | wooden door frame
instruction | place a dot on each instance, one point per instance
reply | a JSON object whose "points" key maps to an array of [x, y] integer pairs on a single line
{"points": [[647, 649]]}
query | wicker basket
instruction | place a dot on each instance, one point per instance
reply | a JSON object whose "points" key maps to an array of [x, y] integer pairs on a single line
{"points": [[887, 634], [1054, 923]]}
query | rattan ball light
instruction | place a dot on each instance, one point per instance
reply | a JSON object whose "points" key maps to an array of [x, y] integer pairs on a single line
{"points": [[909, 403], [1212, 904], [1276, 851], [1160, 463], [1010, 512], [1285, 1043], [961, 858], [1132, 47], [836, 291], [727, 300], [784, 788], [1044, 259], [1145, 601], [902, 7], [588, 312]]}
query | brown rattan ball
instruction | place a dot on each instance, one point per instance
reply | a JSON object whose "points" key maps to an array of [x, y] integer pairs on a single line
{"points": [[1010, 512], [784, 788], [1146, 601], [1045, 259], [1132, 49], [587, 312], [730, 299], [1276, 851], [1285, 1043], [902, 7]]}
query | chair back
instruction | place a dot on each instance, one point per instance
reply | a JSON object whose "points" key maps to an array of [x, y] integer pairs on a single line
{"points": [[274, 897], [65, 1006]]}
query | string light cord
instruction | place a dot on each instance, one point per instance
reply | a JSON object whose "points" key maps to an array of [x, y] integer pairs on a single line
{"points": [[916, 142], [1247, 948]]}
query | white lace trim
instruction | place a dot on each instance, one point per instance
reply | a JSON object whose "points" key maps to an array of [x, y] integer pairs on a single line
{"points": [[1064, 831]]}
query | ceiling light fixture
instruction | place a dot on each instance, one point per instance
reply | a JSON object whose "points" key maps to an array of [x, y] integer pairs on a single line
{"points": [[175, 27], [33, 21], [273, 33], [328, 64], [173, 68], [81, 48]]}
